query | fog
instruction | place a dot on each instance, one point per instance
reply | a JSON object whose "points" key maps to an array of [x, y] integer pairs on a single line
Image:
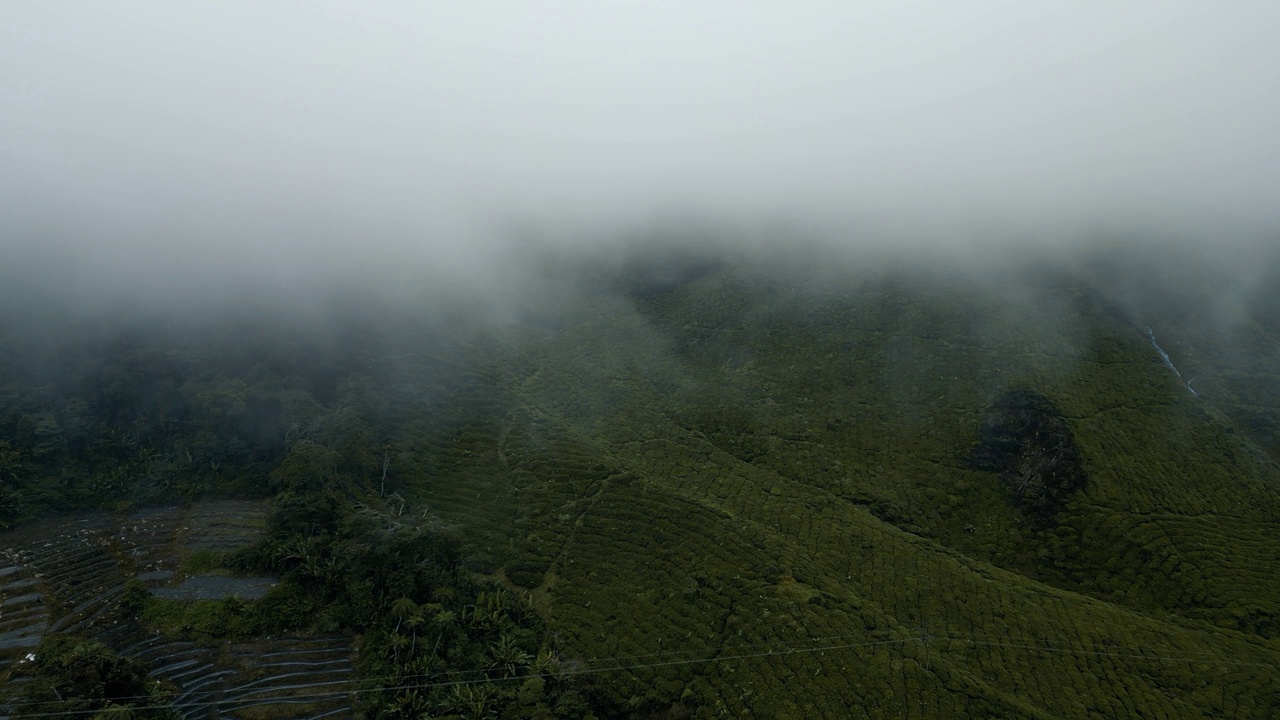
{"points": [[190, 147]]}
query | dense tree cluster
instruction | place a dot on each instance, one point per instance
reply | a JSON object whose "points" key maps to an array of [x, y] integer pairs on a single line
{"points": [[440, 640], [119, 417], [1026, 440], [77, 677], [99, 416]]}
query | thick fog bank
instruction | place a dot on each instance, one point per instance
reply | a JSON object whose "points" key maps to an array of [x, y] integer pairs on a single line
{"points": [[191, 158]]}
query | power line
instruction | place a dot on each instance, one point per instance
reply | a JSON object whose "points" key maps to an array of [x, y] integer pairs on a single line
{"points": [[1014, 643], [1101, 653], [476, 681], [589, 663]]}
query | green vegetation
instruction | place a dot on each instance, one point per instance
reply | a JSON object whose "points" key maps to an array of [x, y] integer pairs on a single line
{"points": [[207, 619], [714, 491], [397, 579], [78, 677], [1026, 439], [203, 562], [399, 585]]}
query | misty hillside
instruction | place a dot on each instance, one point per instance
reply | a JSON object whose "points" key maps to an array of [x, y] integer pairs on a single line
{"points": [[711, 485], [583, 360]]}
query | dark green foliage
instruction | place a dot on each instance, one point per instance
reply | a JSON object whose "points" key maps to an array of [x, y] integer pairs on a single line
{"points": [[73, 675], [131, 419], [204, 619], [396, 578], [112, 413], [199, 562], [135, 598], [1025, 439]]}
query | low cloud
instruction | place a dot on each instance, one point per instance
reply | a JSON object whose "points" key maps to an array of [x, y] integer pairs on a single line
{"points": [[186, 148]]}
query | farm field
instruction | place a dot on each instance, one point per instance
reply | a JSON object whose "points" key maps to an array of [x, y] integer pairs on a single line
{"points": [[68, 576]]}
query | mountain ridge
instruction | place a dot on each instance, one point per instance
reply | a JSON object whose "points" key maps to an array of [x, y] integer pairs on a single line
{"points": [[751, 489]]}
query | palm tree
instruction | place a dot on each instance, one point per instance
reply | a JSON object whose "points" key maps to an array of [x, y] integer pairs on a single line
{"points": [[472, 615], [300, 549], [470, 701], [547, 663], [494, 601], [397, 643], [493, 611], [407, 704], [10, 462], [313, 567], [446, 618], [413, 622], [119, 712], [508, 655], [402, 607], [443, 620]]}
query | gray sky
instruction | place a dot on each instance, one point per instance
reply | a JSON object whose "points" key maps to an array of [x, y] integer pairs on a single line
{"points": [[212, 132]]}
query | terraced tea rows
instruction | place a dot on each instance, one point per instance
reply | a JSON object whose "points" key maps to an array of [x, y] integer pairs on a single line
{"points": [[753, 497], [769, 509]]}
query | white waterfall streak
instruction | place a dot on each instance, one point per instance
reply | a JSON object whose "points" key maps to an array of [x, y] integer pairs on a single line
{"points": [[1169, 363]]}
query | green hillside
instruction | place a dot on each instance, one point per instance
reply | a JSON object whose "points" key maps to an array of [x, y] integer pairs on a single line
{"points": [[737, 466], [731, 488]]}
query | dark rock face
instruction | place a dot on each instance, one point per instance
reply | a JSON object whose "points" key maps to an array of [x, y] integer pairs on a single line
{"points": [[1025, 439]]}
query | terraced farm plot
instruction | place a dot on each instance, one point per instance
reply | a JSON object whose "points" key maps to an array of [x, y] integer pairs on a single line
{"points": [[292, 677], [68, 575], [222, 525], [23, 617], [75, 574]]}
